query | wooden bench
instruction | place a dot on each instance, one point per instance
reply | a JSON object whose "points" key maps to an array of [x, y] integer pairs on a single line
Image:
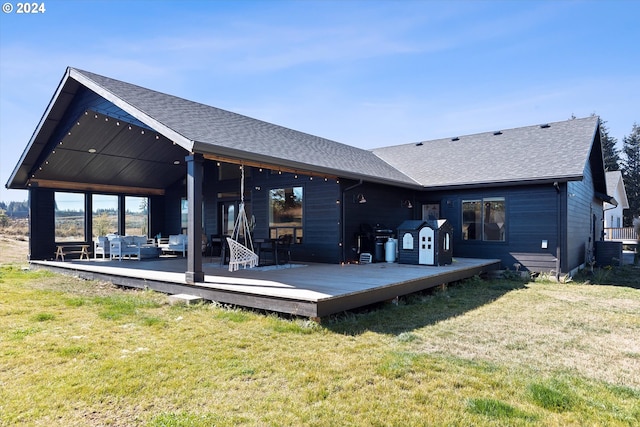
{"points": [[62, 250]]}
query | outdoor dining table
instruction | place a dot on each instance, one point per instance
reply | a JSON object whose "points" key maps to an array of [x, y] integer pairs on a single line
{"points": [[267, 245]]}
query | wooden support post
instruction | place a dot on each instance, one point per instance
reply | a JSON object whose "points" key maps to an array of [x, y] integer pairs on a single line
{"points": [[195, 176]]}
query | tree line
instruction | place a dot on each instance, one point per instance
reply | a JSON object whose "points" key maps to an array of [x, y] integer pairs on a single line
{"points": [[15, 209], [626, 160]]}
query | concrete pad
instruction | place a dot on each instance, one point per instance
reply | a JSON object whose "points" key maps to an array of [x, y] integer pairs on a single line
{"points": [[184, 299]]}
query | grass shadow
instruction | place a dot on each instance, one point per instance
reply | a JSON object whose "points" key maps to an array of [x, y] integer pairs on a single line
{"points": [[434, 305], [421, 309], [626, 275]]}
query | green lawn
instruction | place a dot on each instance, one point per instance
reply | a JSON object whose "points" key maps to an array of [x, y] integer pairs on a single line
{"points": [[483, 353]]}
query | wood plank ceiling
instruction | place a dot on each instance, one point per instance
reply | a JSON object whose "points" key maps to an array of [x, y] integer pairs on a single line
{"points": [[101, 153]]}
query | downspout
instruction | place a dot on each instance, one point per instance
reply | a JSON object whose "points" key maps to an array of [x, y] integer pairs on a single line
{"points": [[343, 220], [559, 234], [614, 205]]}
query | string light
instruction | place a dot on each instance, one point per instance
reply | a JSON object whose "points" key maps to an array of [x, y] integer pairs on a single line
{"points": [[157, 137]]}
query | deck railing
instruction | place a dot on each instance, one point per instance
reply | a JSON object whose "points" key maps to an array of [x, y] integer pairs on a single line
{"points": [[620, 233]]}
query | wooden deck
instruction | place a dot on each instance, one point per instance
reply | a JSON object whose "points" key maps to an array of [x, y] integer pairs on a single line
{"points": [[313, 290]]}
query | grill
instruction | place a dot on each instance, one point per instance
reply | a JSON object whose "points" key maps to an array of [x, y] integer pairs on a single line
{"points": [[371, 239]]}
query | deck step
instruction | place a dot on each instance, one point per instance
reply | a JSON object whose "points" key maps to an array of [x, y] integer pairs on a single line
{"points": [[184, 299]]}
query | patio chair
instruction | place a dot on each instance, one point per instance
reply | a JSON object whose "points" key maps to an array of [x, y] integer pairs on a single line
{"points": [[176, 243], [101, 247], [240, 255], [283, 246]]}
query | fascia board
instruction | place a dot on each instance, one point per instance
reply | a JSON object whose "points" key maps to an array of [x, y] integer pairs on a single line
{"points": [[11, 182], [274, 162], [506, 183]]}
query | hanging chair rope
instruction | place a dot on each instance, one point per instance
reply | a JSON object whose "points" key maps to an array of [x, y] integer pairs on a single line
{"points": [[241, 254]]}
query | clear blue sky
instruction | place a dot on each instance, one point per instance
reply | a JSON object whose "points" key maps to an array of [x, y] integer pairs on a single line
{"points": [[365, 73]]}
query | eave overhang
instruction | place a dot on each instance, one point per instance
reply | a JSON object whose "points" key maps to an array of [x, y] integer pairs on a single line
{"points": [[606, 198], [230, 155]]}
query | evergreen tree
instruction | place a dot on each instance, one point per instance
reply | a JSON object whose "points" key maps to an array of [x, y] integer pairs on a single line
{"points": [[18, 209], [4, 219], [609, 151], [631, 173]]}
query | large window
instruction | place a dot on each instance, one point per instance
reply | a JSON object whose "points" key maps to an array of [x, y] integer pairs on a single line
{"points": [[228, 212], [104, 218], [69, 217], [285, 213], [484, 219], [136, 218], [184, 215]]}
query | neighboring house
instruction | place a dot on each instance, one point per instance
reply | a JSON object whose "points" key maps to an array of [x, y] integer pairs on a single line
{"points": [[531, 195], [613, 212]]}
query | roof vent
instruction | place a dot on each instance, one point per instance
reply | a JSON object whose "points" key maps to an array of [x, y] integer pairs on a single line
{"points": [[455, 138], [544, 126], [418, 144], [497, 132]]}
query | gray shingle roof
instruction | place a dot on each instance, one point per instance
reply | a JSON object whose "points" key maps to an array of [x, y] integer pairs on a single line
{"points": [[208, 129], [533, 153], [559, 151]]}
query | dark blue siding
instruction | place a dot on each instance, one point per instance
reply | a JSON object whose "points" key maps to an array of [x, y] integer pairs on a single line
{"points": [[321, 222], [172, 204], [321, 213], [156, 215], [322, 209], [531, 217], [584, 221], [384, 207], [210, 199]]}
